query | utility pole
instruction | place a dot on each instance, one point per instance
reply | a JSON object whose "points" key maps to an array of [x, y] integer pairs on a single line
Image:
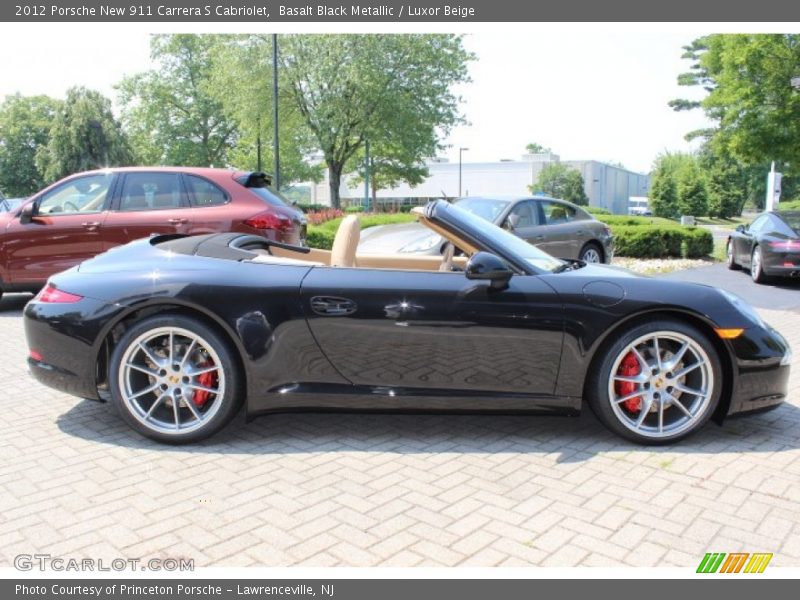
{"points": [[276, 143]]}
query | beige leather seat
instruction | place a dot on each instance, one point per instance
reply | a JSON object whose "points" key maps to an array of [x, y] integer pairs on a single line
{"points": [[345, 244]]}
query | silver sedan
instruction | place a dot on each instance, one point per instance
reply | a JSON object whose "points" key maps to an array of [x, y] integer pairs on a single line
{"points": [[560, 228]]}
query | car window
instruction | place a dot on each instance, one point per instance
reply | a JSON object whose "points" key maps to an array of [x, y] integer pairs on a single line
{"points": [[556, 213], [758, 225], [151, 191], [527, 213], [205, 193], [485, 208], [80, 195]]}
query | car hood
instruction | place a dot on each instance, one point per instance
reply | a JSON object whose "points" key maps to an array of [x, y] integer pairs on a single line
{"points": [[389, 239]]}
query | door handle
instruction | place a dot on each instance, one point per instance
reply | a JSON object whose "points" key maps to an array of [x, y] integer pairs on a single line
{"points": [[90, 225], [177, 221], [332, 306]]}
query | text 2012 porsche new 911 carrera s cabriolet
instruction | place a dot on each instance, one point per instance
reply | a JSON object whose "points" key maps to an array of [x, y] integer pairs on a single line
{"points": [[178, 332]]}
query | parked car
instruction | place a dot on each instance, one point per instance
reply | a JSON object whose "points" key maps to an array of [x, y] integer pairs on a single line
{"points": [[88, 213], [180, 332], [639, 206], [769, 246], [558, 227]]}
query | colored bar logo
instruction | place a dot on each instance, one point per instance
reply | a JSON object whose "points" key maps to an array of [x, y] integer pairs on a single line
{"points": [[735, 562]]}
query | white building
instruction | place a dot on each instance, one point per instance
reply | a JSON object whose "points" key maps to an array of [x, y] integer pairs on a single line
{"points": [[607, 186]]}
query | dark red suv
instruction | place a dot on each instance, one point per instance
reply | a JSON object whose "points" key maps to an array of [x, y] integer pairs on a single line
{"points": [[88, 213]]}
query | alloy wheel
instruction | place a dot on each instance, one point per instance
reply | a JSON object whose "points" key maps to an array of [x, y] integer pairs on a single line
{"points": [[171, 380], [661, 385], [591, 255]]}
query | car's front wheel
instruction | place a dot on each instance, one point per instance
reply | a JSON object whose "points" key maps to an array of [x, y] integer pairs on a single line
{"points": [[657, 383], [174, 379]]}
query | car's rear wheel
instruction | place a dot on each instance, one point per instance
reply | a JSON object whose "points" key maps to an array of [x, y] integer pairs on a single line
{"points": [[657, 383], [731, 260], [174, 379], [757, 266], [591, 253]]}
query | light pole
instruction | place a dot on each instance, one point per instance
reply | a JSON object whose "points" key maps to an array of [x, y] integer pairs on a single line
{"points": [[460, 152], [275, 141]]}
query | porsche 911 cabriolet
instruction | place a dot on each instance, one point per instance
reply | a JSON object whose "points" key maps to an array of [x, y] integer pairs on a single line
{"points": [[179, 332]]}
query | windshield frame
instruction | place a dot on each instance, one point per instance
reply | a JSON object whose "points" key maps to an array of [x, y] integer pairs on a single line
{"points": [[459, 222]]}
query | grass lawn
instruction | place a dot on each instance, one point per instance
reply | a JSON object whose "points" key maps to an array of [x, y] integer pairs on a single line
{"points": [[725, 223]]}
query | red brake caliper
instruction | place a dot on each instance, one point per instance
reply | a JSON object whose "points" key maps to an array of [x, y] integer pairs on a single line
{"points": [[629, 367], [208, 380]]}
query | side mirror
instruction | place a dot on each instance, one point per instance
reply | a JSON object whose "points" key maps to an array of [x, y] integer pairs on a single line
{"points": [[488, 267], [741, 228], [27, 213], [512, 221]]}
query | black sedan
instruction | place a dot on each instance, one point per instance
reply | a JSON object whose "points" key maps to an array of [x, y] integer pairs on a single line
{"points": [[769, 246], [179, 332]]}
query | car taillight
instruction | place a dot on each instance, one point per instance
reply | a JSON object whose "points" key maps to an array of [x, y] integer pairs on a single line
{"points": [[785, 246], [52, 295], [268, 220]]}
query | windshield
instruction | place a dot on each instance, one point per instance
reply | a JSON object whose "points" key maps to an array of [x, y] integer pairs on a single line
{"points": [[503, 239], [484, 208]]}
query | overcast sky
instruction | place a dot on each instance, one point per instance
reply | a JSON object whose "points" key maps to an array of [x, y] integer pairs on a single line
{"points": [[588, 93]]}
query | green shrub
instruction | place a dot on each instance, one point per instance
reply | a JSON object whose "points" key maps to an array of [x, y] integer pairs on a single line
{"points": [[597, 210], [355, 208], [789, 205], [654, 241], [306, 208], [321, 236]]}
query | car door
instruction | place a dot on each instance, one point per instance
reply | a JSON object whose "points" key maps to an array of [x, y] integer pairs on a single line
{"points": [[524, 220], [424, 330], [147, 202], [65, 229], [562, 232]]}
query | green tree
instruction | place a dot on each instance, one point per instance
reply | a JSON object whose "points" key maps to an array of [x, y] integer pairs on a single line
{"points": [[242, 82], [25, 123], [172, 114], [664, 194], [535, 148], [85, 135], [692, 193], [748, 97], [352, 87], [561, 181], [727, 182]]}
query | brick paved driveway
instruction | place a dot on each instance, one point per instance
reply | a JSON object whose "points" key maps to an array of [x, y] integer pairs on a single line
{"points": [[389, 490]]}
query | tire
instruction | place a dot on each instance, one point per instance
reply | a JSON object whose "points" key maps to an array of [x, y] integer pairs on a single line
{"points": [[757, 266], [731, 261], [591, 253], [162, 402], [681, 413]]}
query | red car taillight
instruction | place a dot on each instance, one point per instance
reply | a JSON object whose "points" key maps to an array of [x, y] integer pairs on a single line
{"points": [[52, 295], [786, 246], [268, 220]]}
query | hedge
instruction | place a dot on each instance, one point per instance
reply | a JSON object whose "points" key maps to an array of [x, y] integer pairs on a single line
{"points": [[637, 237], [655, 241], [321, 236]]}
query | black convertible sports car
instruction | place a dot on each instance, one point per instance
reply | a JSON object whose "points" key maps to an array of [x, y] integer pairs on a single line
{"points": [[769, 246], [178, 332]]}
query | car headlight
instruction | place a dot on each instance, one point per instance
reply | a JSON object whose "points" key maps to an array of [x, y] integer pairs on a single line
{"points": [[422, 244], [744, 308]]}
